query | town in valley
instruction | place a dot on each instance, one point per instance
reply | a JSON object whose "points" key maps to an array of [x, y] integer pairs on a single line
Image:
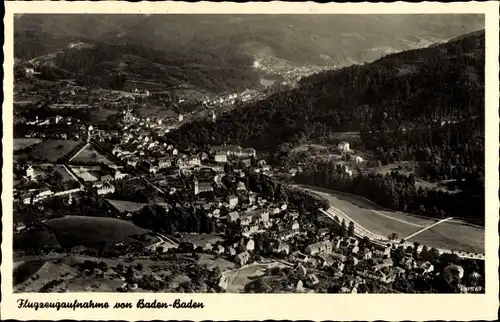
{"points": [[239, 169]]}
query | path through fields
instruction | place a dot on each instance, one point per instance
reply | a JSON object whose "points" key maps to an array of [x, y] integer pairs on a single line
{"points": [[428, 227], [396, 219]]}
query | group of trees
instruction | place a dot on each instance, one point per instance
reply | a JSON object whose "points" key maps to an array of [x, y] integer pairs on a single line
{"points": [[56, 181], [133, 190], [175, 219]]}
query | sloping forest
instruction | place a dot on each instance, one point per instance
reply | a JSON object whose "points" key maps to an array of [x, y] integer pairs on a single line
{"points": [[110, 65], [411, 91]]}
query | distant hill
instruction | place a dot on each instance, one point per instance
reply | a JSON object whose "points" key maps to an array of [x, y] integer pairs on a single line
{"points": [[316, 39], [407, 90], [111, 65]]}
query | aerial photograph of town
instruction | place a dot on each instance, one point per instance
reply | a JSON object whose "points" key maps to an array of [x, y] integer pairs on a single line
{"points": [[276, 153]]}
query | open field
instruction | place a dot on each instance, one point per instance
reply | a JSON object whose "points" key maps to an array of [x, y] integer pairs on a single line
{"points": [[89, 154], [87, 173], [21, 143], [123, 205], [452, 235], [74, 231], [50, 150], [65, 174]]}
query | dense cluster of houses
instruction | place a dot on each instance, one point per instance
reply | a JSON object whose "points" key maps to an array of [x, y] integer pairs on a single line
{"points": [[230, 99]]}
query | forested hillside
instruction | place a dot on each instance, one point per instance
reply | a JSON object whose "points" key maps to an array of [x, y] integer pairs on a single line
{"points": [[409, 92], [203, 69]]}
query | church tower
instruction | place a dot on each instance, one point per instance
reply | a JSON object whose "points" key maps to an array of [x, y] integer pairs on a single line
{"points": [[196, 189], [89, 133]]}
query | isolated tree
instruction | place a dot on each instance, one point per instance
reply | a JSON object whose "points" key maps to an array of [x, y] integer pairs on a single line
{"points": [[343, 229], [350, 230]]}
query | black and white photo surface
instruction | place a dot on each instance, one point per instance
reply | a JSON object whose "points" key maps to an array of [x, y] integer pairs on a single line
{"points": [[248, 153], [256, 154]]}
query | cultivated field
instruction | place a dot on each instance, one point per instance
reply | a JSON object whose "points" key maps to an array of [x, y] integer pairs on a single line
{"points": [[74, 231], [452, 235], [22, 143], [89, 154], [51, 150]]}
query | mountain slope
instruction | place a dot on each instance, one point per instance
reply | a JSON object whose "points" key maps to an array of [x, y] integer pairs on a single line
{"points": [[94, 63], [406, 90], [316, 39]]}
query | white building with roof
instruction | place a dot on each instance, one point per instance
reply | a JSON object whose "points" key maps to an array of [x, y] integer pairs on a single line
{"points": [[343, 147]]}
